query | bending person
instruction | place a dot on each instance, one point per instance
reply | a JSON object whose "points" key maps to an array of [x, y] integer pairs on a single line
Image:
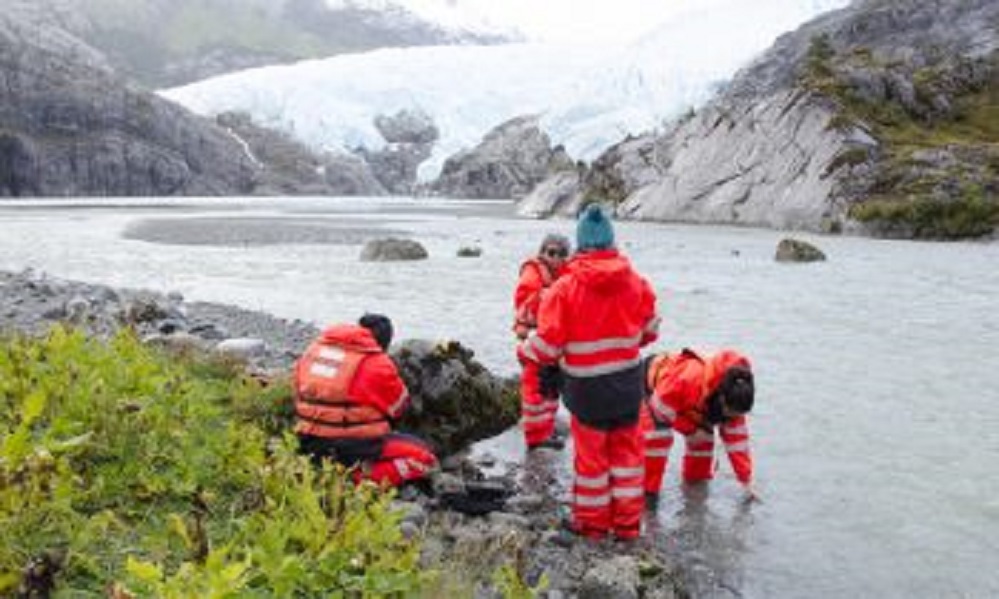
{"points": [[695, 396]]}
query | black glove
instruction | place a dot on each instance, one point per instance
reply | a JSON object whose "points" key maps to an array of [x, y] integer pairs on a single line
{"points": [[550, 380]]}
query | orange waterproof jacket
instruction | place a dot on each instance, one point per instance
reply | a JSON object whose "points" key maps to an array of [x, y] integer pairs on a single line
{"points": [[593, 321], [680, 386], [535, 277], [346, 387]]}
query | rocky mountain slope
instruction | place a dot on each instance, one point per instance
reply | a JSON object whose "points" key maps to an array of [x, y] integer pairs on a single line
{"points": [[882, 118], [162, 43], [70, 126]]}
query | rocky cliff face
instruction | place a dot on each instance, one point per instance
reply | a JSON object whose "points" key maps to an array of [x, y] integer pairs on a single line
{"points": [[68, 126], [287, 167], [511, 160], [880, 118]]}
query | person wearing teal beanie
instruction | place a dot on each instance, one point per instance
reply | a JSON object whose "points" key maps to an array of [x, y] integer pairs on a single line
{"points": [[593, 322]]}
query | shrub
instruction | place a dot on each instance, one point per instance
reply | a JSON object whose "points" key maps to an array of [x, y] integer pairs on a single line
{"points": [[122, 468]]}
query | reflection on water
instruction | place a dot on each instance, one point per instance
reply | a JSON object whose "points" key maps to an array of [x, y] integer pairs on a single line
{"points": [[710, 544], [875, 426]]}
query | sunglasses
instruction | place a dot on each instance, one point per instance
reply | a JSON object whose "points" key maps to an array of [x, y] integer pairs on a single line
{"points": [[556, 253]]}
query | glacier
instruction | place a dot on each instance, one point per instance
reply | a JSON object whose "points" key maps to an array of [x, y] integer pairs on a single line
{"points": [[588, 96]]}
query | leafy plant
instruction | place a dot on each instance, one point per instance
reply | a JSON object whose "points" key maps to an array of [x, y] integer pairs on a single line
{"points": [[126, 469]]}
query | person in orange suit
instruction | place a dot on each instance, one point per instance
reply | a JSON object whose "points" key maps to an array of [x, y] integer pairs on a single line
{"points": [[539, 385], [593, 322], [697, 395], [348, 392]]}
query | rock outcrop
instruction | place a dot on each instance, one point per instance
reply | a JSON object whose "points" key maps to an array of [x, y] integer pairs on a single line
{"points": [[69, 126], [410, 138], [455, 400], [287, 167], [511, 160], [878, 118]]}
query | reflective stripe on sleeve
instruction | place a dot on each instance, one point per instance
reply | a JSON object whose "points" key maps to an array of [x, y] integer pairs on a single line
{"points": [[653, 324], [660, 408], [400, 402], [657, 453], [539, 345], [734, 447], [660, 433], [735, 430]]}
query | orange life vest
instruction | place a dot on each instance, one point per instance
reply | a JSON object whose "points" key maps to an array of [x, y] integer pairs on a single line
{"points": [[323, 378]]}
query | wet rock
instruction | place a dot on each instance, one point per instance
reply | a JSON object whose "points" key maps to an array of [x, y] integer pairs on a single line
{"points": [[795, 250], [469, 252], [615, 578], [391, 249], [455, 400]]}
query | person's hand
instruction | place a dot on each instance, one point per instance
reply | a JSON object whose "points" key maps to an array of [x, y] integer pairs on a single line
{"points": [[750, 494]]}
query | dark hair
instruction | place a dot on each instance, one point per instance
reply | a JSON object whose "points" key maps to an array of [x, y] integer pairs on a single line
{"points": [[380, 327], [737, 389]]}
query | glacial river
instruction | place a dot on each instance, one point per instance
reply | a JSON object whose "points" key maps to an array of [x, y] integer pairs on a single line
{"points": [[876, 431]]}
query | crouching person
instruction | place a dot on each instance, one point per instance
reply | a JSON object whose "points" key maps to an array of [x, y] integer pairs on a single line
{"points": [[348, 393], [696, 396]]}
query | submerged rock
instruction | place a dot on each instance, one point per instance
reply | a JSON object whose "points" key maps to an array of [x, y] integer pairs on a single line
{"points": [[455, 400], [391, 249], [795, 250]]}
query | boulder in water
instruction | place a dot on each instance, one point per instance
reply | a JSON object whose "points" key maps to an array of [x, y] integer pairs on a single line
{"points": [[795, 250], [391, 248]]}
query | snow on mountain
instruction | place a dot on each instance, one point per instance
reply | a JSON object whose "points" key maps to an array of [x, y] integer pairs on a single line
{"points": [[590, 97]]}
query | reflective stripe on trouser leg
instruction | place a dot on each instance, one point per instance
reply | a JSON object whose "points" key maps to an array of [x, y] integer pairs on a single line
{"points": [[537, 412], [403, 458], [627, 469], [699, 461], [658, 443], [591, 501]]}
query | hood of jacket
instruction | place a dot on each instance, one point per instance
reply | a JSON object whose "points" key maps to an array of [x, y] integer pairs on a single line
{"points": [[350, 336], [602, 270]]}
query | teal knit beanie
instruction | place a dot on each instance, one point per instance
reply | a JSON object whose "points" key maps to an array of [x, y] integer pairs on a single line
{"points": [[594, 231]]}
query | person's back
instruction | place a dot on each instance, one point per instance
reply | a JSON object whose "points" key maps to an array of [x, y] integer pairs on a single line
{"points": [[593, 321], [347, 394]]}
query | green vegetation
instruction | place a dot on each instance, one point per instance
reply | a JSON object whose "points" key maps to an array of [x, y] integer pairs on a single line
{"points": [[128, 472], [938, 168]]}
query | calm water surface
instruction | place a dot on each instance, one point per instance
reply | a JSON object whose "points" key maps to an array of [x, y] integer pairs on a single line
{"points": [[877, 426]]}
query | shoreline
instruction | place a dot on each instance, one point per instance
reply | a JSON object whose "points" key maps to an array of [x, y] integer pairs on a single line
{"points": [[528, 525]]}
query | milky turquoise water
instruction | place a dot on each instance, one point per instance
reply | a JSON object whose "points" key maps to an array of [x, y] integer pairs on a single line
{"points": [[876, 430]]}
